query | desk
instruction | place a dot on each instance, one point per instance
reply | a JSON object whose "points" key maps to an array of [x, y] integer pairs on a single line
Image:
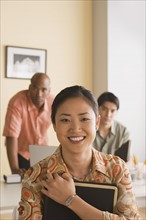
{"points": [[9, 197], [139, 187]]}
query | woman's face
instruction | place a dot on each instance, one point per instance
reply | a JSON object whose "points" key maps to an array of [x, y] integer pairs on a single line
{"points": [[75, 124]]}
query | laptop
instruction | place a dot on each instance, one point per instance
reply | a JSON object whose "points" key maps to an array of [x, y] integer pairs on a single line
{"points": [[101, 196], [38, 152]]}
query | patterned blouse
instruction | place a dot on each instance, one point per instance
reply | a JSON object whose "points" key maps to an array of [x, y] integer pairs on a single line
{"points": [[105, 169]]}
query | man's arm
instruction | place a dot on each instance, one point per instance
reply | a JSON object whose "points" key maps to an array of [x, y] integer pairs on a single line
{"points": [[12, 153]]}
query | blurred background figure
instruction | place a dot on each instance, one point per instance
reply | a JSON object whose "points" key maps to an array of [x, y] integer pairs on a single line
{"points": [[111, 137], [27, 120]]}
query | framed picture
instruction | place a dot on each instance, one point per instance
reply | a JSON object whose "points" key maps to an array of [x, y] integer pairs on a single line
{"points": [[22, 62]]}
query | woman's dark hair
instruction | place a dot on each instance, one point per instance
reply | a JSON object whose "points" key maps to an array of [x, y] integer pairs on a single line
{"points": [[71, 92], [108, 97]]}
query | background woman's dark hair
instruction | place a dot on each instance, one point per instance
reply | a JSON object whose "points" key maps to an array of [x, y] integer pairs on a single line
{"points": [[108, 97], [71, 92]]}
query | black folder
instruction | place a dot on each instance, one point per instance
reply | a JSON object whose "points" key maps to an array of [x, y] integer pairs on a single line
{"points": [[101, 196], [124, 151]]}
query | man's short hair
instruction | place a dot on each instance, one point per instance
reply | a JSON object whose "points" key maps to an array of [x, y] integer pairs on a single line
{"points": [[108, 97]]}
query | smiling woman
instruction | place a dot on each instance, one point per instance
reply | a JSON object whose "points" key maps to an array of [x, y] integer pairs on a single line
{"points": [[75, 120]]}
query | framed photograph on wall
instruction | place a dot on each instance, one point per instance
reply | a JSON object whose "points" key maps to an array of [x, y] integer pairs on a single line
{"points": [[23, 62]]}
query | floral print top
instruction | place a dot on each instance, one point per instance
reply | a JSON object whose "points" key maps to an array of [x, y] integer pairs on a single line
{"points": [[105, 169]]}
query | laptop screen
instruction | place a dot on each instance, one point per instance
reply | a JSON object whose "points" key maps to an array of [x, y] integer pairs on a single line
{"points": [[38, 152]]}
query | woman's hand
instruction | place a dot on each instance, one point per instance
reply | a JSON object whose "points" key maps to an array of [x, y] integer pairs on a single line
{"points": [[59, 188]]}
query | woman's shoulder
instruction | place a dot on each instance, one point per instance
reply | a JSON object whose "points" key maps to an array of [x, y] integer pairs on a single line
{"points": [[38, 171], [108, 160], [114, 167]]}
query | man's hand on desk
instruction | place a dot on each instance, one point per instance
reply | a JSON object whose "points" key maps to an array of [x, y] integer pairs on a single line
{"points": [[21, 172]]}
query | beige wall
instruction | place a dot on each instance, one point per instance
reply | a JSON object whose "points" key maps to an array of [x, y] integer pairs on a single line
{"points": [[64, 28], [100, 47]]}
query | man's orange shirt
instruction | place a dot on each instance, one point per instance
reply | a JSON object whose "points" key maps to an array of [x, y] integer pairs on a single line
{"points": [[24, 122]]}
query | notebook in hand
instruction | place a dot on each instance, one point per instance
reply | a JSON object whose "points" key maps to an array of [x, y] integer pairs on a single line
{"points": [[101, 196], [124, 151]]}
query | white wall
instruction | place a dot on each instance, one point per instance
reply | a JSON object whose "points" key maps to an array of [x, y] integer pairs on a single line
{"points": [[120, 27], [126, 66]]}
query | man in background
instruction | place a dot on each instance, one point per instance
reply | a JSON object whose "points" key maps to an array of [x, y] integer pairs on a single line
{"points": [[111, 134], [27, 120]]}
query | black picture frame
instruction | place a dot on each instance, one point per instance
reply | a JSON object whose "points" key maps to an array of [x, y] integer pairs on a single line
{"points": [[23, 62]]}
